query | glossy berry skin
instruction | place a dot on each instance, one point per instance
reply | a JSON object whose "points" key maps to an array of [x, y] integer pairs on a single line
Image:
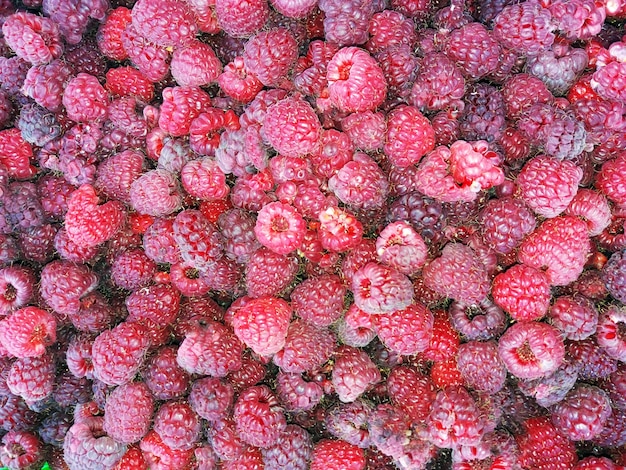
{"points": [[582, 413], [177, 425], [401, 247], [293, 449], [407, 331], [165, 379], [27, 332], [505, 223], [409, 136], [360, 183], [280, 227], [510, 24], [169, 24], [542, 446], [353, 373], [320, 300], [335, 455], [292, 127], [85, 446], [33, 38], [241, 19]]}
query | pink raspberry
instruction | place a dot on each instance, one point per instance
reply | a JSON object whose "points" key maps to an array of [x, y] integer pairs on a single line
{"points": [[27, 332], [610, 333], [337, 455], [409, 136], [379, 289], [455, 419], [353, 373], [477, 322], [582, 413], [292, 127], [202, 178], [523, 292], [286, 169], [34, 38], [178, 425], [45, 84], [117, 354], [237, 227], [16, 288], [320, 300], [346, 23], [525, 28], [109, 35], [541, 445], [241, 19], [170, 23], [531, 350], [63, 285], [481, 366], [155, 193], [270, 55], [306, 348], [401, 247], [360, 183], [355, 328], [89, 223], [388, 430], [73, 17], [122, 115], [158, 303], [269, 273], [262, 324], [608, 79], [580, 19], [132, 269], [15, 154], [389, 29], [116, 174], [280, 227], [195, 65], [205, 130], [210, 349], [559, 247], [575, 316], [259, 420], [407, 331], [611, 179], [473, 48], [174, 154], [339, 230], [159, 243], [593, 208], [128, 412], [238, 82], [293, 449], [349, 422], [181, 105], [160, 456], [367, 130], [458, 274], [439, 85], [32, 378], [199, 241], [558, 67], [599, 463], [474, 165], [85, 100], [355, 81], [164, 377], [21, 449], [86, 446], [212, 398], [296, 393]]}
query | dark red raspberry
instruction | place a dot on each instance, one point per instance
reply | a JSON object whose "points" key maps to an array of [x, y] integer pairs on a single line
{"points": [[128, 413], [118, 354], [268, 273], [613, 275], [407, 331], [110, 33], [525, 28], [270, 55], [483, 117], [355, 81], [523, 292], [159, 455], [15, 154], [523, 91], [128, 81], [259, 420], [438, 85], [399, 65], [347, 23], [335, 455], [16, 288], [474, 50], [576, 316], [481, 366], [33, 38], [379, 289], [211, 398], [505, 223], [181, 105], [27, 332], [63, 284], [390, 29], [132, 269], [241, 19], [610, 179], [15, 415], [591, 360], [412, 392], [158, 304], [170, 23], [164, 377], [32, 378], [292, 127], [353, 373]]}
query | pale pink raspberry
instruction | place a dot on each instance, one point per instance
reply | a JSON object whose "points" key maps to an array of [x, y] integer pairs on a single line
{"points": [[270, 55], [16, 288], [280, 227], [353, 373], [360, 183], [63, 284], [297, 394], [85, 100], [339, 230], [33, 37], [379, 289], [241, 19], [128, 412], [523, 292], [367, 130], [156, 193], [481, 367], [355, 328], [409, 136], [181, 105], [474, 165], [292, 127], [294, 8], [401, 247], [575, 316]]}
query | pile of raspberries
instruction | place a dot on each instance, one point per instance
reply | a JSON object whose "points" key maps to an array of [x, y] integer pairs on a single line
{"points": [[313, 234]]}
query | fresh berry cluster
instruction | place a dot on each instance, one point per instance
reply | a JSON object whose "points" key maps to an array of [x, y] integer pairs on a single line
{"points": [[313, 234]]}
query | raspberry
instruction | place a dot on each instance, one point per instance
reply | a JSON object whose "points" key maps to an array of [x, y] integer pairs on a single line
{"points": [[63, 284], [286, 169], [346, 23], [444, 342], [164, 377], [388, 429], [610, 180], [439, 84], [158, 303], [177, 425], [116, 174], [458, 274], [543, 447], [389, 29], [356, 328], [270, 55], [241, 19], [294, 9], [20, 450], [399, 65], [353, 373], [474, 50], [477, 322], [582, 413], [159, 455], [132, 269], [210, 349], [366, 130], [454, 419], [22, 210], [181, 105], [118, 354], [575, 316], [45, 84], [337, 454], [128, 81], [590, 359], [360, 183], [170, 23], [608, 79], [109, 35], [237, 227], [133, 460], [250, 458], [523, 292], [409, 137], [205, 130], [280, 228], [15, 415], [558, 67], [259, 420], [355, 81], [237, 82], [27, 332], [13, 73], [37, 244], [85, 446], [481, 366], [16, 288], [505, 222], [525, 28], [600, 463], [531, 350], [297, 394], [401, 248], [407, 331], [484, 114], [85, 100], [90, 224], [306, 348], [379, 289], [32, 378], [610, 333], [521, 92], [128, 412], [292, 127], [268, 273], [411, 391], [34, 38], [349, 422], [199, 241], [293, 450], [15, 154], [551, 389], [580, 19], [613, 275], [211, 398], [423, 213], [319, 301], [262, 324], [339, 230], [38, 126], [559, 247]]}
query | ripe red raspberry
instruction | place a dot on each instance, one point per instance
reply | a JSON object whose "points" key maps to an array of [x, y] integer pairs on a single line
{"points": [[45, 84], [27, 332], [259, 419], [407, 331], [353, 373], [177, 425], [477, 322], [411, 391], [157, 303], [596, 463], [16, 288], [205, 130], [611, 179], [355, 81], [85, 100], [128, 81], [211, 348], [109, 35], [195, 65], [523, 292], [33, 38], [128, 412], [458, 274], [339, 230], [270, 55], [306, 348], [582, 413], [320, 300], [481, 366], [474, 165], [211, 398], [575, 316], [132, 460], [360, 183], [289, 169], [521, 92], [409, 136], [389, 29], [280, 228], [543, 447], [63, 284], [611, 334], [455, 419], [237, 82], [337, 455], [170, 23], [346, 23], [164, 377], [199, 241], [269, 273], [505, 222], [531, 350], [262, 324], [15, 154], [444, 341], [525, 28], [21, 450], [86, 446], [32, 378], [379, 289], [181, 105], [559, 247], [293, 449], [160, 456], [118, 354], [241, 19], [292, 127], [401, 247]]}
